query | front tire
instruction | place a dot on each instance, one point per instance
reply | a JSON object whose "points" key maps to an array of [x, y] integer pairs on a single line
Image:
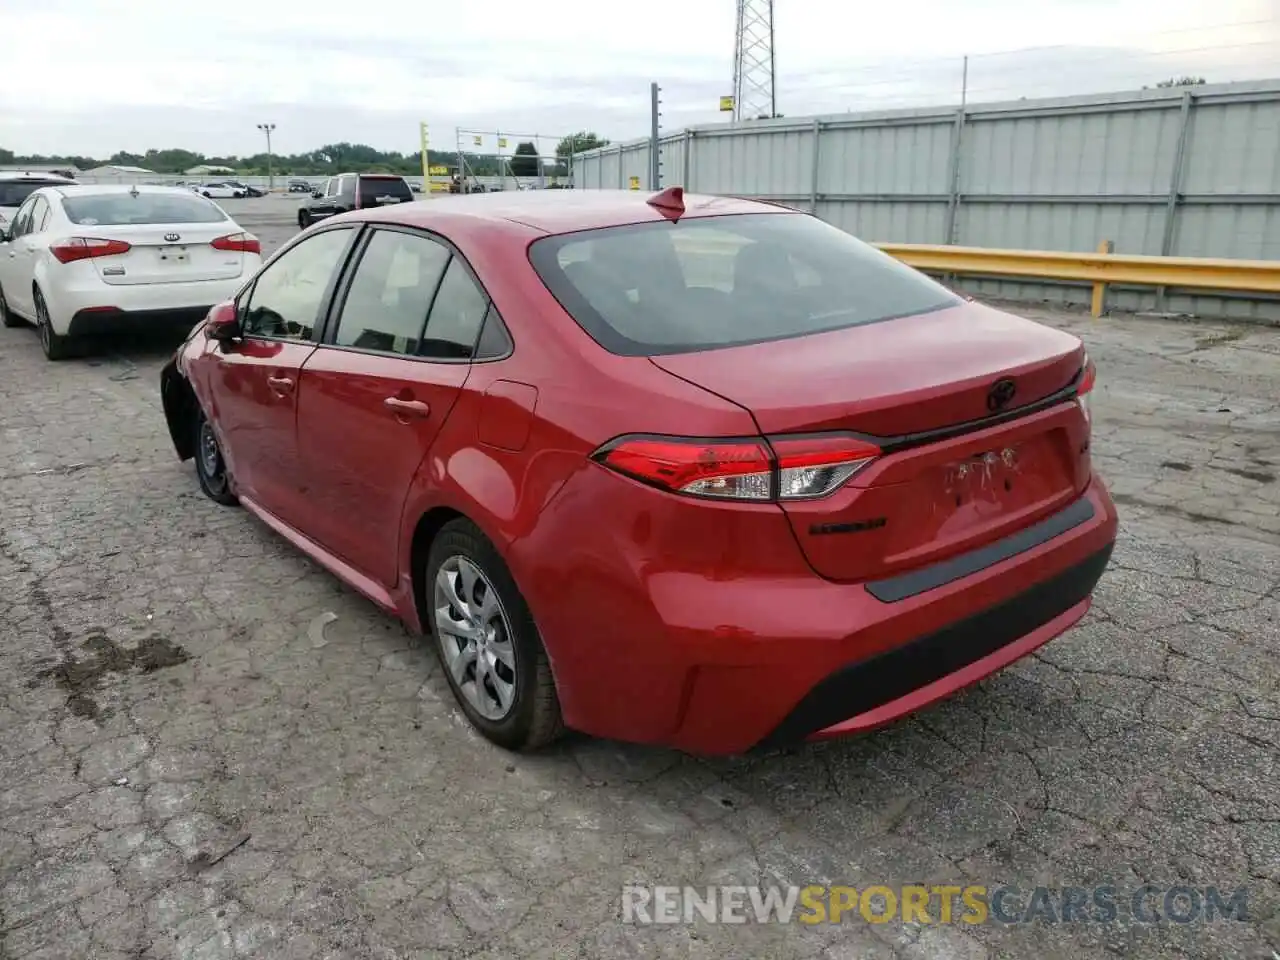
{"points": [[487, 641], [211, 469], [55, 346], [304, 220]]}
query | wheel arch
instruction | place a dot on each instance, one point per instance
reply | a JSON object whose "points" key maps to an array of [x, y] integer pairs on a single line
{"points": [[180, 404]]}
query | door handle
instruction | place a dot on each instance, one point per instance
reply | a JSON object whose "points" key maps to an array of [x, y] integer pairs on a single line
{"points": [[406, 408], [280, 384]]}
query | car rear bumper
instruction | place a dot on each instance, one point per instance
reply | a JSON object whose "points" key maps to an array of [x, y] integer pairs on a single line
{"points": [[727, 662], [93, 308]]}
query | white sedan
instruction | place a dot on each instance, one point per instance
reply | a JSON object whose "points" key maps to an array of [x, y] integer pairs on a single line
{"points": [[219, 191], [82, 261]]}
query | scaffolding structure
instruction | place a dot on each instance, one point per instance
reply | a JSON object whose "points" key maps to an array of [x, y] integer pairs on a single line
{"points": [[502, 146], [754, 96]]}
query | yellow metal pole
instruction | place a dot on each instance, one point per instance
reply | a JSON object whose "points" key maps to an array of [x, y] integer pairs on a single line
{"points": [[1100, 289], [426, 158]]}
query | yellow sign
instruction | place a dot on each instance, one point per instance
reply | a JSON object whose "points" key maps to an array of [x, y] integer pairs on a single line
{"points": [[726, 104], [439, 171], [635, 183], [439, 187], [477, 140], [502, 143]]}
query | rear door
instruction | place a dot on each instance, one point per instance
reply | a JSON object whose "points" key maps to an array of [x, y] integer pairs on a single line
{"points": [[252, 384], [384, 381], [17, 261]]}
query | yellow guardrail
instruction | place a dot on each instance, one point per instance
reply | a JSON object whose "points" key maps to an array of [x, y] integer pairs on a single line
{"points": [[1100, 269]]}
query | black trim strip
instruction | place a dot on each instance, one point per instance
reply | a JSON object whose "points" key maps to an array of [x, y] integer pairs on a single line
{"points": [[867, 684], [908, 440], [911, 584]]}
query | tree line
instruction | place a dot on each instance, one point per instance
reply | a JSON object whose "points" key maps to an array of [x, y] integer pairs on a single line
{"points": [[330, 159]]}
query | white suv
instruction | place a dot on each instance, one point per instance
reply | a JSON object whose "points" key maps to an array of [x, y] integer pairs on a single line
{"points": [[16, 187]]}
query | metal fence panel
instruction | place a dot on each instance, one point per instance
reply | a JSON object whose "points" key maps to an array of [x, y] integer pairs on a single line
{"points": [[1186, 172]]}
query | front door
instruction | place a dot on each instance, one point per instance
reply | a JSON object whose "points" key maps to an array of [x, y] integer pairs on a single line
{"points": [[376, 393], [254, 382]]}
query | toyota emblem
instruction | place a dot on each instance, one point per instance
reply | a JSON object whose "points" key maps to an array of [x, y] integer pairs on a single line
{"points": [[171, 237], [1000, 395]]}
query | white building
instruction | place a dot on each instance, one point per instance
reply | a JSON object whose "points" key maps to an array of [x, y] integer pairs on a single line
{"points": [[205, 170], [116, 173]]}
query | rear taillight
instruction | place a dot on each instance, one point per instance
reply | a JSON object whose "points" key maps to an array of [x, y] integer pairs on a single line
{"points": [[1088, 376], [87, 248], [753, 469], [238, 243]]}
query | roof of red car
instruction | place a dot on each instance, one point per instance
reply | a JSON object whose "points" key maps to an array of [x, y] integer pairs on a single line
{"points": [[564, 211]]}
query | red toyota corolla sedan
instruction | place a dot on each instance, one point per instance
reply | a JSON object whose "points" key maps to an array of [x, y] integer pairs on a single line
{"points": [[680, 470]]}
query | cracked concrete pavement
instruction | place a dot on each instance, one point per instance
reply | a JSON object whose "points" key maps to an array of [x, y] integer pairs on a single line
{"points": [[199, 763]]}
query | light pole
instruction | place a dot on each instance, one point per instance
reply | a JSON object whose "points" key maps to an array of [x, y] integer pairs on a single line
{"points": [[271, 177]]}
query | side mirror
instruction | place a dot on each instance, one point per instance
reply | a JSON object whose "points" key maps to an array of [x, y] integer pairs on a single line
{"points": [[223, 323], [316, 194]]}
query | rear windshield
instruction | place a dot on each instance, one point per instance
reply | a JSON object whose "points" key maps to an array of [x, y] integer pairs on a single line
{"points": [[14, 193], [701, 284], [125, 208], [380, 190]]}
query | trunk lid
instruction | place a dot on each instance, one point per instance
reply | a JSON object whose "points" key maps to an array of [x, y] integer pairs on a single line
{"points": [[167, 253], [970, 479]]}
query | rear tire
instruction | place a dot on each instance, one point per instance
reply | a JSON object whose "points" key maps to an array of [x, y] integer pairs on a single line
{"points": [[464, 570], [7, 316], [54, 345], [211, 469]]}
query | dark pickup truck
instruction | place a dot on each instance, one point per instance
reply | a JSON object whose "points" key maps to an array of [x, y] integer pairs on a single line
{"points": [[353, 191]]}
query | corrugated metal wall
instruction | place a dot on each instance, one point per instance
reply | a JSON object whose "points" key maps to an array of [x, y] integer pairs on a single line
{"points": [[1182, 172]]}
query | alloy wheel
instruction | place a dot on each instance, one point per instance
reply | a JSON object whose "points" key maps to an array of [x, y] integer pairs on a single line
{"points": [[210, 456], [475, 638]]}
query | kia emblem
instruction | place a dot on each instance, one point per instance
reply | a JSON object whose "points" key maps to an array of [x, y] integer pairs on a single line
{"points": [[1000, 395], [172, 237]]}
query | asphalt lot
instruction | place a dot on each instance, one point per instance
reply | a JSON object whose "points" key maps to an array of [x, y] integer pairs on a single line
{"points": [[195, 765]]}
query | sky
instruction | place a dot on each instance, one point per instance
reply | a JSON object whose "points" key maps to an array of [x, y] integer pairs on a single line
{"points": [[93, 77]]}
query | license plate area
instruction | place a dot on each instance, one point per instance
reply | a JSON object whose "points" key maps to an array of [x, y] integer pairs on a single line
{"points": [[172, 256], [1006, 476]]}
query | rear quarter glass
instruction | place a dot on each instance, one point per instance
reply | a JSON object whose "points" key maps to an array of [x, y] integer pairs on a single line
{"points": [[708, 283]]}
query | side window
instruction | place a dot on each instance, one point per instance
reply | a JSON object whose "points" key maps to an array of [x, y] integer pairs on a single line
{"points": [[39, 215], [347, 189], [331, 187], [495, 340], [386, 305], [287, 296], [456, 316], [22, 219]]}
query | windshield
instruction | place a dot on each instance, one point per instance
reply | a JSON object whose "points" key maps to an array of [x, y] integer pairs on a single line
{"points": [[128, 208], [14, 193], [375, 191], [713, 282]]}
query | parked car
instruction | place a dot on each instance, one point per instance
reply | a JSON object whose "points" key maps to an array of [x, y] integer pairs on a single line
{"points": [[248, 190], [300, 186], [16, 187], [218, 191], [353, 191], [697, 471], [85, 261]]}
